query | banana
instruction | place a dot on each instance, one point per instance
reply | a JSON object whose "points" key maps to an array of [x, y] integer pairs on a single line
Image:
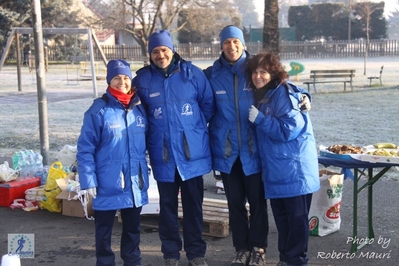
{"points": [[385, 145]]}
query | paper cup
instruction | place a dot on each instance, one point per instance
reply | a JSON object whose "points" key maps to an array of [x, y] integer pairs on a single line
{"points": [[8, 260]]}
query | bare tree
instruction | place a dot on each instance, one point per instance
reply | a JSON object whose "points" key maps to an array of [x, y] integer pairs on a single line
{"points": [[365, 9], [271, 34], [204, 24], [140, 18], [151, 15]]}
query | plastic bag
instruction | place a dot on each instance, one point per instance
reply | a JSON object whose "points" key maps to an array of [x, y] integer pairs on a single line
{"points": [[51, 189], [67, 155], [26, 205], [324, 214], [7, 173]]}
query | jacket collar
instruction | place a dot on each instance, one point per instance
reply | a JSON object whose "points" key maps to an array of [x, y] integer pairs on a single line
{"points": [[238, 68]]}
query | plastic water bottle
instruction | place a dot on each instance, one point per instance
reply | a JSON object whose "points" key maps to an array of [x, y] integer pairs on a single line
{"points": [[22, 163], [15, 159], [31, 169], [39, 160], [27, 162], [42, 173]]}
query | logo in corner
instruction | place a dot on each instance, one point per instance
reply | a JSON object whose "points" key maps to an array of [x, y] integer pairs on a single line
{"points": [[21, 245]]}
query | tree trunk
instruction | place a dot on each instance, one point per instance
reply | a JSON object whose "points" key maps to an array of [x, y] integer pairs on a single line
{"points": [[271, 34]]}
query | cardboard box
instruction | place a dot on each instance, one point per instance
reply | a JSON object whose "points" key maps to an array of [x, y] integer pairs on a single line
{"points": [[74, 208], [9, 191], [69, 205]]}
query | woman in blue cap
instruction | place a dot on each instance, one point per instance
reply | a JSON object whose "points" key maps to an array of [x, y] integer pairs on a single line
{"points": [[112, 164]]}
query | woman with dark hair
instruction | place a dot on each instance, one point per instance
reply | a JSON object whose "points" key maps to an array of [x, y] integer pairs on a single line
{"points": [[288, 153]]}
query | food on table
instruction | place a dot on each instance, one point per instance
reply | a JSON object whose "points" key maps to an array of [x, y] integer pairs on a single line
{"points": [[385, 145], [384, 152], [344, 149]]}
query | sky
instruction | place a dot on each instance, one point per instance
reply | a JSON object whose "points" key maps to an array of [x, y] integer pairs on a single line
{"points": [[389, 6]]}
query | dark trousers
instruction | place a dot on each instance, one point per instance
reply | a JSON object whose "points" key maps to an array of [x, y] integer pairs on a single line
{"points": [[130, 239], [291, 217], [192, 196], [239, 188]]}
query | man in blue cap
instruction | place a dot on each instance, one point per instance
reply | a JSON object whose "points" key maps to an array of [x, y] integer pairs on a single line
{"points": [[179, 103], [235, 151]]}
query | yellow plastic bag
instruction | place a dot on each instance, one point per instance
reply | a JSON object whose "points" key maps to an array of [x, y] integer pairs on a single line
{"points": [[51, 189]]}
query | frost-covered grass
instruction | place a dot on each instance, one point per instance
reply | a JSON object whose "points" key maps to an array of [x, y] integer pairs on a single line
{"points": [[362, 117]]}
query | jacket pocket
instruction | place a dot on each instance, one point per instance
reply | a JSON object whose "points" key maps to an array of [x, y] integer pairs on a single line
{"points": [[195, 144], [228, 150]]}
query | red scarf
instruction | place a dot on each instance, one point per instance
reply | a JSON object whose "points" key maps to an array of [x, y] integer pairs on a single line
{"points": [[124, 98]]}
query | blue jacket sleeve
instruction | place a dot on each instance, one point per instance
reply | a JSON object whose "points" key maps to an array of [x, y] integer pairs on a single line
{"points": [[205, 99], [282, 120], [88, 142]]}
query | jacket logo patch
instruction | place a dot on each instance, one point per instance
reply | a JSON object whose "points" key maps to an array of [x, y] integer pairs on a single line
{"points": [[247, 87], [140, 121], [119, 65], [155, 94], [158, 113], [187, 109], [268, 111], [221, 92], [115, 126]]}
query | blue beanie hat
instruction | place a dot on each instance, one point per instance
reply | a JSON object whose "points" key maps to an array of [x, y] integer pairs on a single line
{"points": [[231, 32], [160, 38], [118, 67]]}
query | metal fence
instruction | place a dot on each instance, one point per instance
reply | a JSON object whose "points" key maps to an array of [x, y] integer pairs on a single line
{"points": [[208, 51]]}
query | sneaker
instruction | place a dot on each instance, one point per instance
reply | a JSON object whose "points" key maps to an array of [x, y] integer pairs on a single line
{"points": [[197, 262], [171, 262], [242, 258], [257, 257], [282, 263]]}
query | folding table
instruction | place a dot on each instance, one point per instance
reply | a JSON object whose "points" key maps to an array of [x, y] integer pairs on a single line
{"points": [[373, 172]]}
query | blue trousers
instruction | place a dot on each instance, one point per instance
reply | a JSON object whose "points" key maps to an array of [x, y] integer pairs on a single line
{"points": [[239, 188], [192, 196], [130, 239], [291, 217]]}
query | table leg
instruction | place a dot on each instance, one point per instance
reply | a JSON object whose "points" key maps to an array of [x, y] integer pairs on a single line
{"points": [[356, 190], [370, 206], [355, 193]]}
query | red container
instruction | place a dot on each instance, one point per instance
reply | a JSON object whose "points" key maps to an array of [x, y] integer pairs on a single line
{"points": [[9, 191]]}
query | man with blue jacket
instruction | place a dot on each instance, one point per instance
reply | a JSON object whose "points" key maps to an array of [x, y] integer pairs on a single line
{"points": [[235, 151], [179, 103]]}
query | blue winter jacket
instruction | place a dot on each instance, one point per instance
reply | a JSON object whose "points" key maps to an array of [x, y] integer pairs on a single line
{"points": [[112, 153], [178, 105], [287, 145], [231, 133]]}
